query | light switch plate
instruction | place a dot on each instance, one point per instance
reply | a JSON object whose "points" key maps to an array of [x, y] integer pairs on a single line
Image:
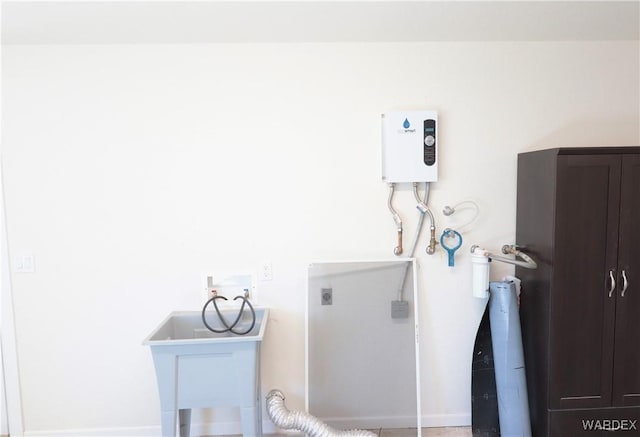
{"points": [[25, 264]]}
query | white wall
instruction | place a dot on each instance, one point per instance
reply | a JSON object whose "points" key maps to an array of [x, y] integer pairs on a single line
{"points": [[130, 170]]}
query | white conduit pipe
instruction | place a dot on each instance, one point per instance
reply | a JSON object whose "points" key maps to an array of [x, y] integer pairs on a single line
{"points": [[303, 422], [424, 209], [396, 218]]}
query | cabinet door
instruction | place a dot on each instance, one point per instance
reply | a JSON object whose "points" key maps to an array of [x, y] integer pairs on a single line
{"points": [[626, 374], [582, 310]]}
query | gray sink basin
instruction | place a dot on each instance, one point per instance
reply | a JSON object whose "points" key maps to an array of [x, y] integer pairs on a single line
{"points": [[186, 327]]}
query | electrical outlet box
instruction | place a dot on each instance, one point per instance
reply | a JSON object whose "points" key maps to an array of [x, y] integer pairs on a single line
{"points": [[399, 309], [326, 295], [410, 146]]}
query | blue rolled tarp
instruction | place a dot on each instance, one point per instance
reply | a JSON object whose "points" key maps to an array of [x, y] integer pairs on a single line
{"points": [[508, 356]]}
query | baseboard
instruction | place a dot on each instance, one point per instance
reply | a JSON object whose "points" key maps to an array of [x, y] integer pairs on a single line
{"points": [[370, 422], [430, 421], [235, 428], [197, 429], [138, 431], [446, 420]]}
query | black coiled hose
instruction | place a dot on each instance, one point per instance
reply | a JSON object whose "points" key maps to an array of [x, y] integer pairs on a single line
{"points": [[229, 327]]}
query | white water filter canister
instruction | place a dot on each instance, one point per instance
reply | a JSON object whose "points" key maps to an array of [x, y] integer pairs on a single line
{"points": [[480, 275]]}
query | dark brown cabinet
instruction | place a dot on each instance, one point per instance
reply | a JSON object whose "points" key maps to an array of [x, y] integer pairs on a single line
{"points": [[578, 215]]}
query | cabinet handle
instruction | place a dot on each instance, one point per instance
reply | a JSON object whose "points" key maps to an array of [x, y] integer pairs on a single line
{"points": [[613, 283], [625, 283]]}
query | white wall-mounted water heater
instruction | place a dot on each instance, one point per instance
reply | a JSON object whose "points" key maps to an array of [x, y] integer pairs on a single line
{"points": [[410, 146]]}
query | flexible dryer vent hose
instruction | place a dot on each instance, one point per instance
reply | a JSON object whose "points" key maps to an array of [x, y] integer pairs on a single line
{"points": [[303, 422]]}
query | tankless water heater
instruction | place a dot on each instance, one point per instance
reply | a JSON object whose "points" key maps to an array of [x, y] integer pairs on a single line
{"points": [[410, 146]]}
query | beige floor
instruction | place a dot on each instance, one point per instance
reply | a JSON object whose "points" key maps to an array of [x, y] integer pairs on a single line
{"points": [[463, 431], [427, 432]]}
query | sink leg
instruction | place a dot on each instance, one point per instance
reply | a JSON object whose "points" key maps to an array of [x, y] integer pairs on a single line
{"points": [[168, 419], [185, 422], [259, 412], [250, 425]]}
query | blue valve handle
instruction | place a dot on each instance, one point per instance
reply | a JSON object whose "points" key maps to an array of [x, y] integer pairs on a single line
{"points": [[450, 250]]}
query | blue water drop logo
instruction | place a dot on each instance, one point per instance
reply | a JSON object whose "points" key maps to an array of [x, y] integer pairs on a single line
{"points": [[406, 124]]}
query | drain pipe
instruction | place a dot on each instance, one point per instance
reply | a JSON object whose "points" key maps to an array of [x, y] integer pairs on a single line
{"points": [[303, 422]]}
